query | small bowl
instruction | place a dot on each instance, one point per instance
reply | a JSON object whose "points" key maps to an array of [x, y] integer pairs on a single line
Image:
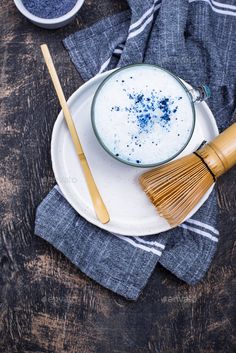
{"points": [[51, 23], [193, 95]]}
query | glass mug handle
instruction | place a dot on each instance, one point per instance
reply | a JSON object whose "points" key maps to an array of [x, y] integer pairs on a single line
{"points": [[200, 94]]}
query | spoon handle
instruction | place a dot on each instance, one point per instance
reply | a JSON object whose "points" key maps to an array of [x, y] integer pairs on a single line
{"points": [[98, 204]]}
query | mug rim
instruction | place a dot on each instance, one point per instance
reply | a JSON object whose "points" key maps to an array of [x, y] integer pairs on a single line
{"points": [[141, 165]]}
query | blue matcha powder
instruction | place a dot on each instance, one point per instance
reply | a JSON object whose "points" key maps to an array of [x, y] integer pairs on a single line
{"points": [[49, 8]]}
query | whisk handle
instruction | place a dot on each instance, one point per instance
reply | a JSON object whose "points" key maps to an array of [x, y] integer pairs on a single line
{"points": [[220, 154], [225, 146]]}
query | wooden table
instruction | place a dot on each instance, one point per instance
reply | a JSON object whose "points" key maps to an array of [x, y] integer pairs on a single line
{"points": [[47, 304]]}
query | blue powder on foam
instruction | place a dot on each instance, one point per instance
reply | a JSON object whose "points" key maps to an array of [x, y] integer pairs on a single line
{"points": [[49, 8], [175, 110], [115, 108], [145, 111], [151, 109]]}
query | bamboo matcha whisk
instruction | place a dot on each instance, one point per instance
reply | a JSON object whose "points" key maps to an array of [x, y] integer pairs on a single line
{"points": [[177, 187]]}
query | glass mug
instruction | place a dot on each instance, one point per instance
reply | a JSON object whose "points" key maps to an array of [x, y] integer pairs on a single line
{"points": [[143, 115]]}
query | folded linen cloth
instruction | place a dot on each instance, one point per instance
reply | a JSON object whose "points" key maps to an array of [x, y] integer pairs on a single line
{"points": [[194, 39]]}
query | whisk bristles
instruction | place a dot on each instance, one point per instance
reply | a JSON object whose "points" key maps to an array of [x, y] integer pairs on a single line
{"points": [[177, 187]]}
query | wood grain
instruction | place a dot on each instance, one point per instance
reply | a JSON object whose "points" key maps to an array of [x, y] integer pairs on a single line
{"points": [[48, 305]]}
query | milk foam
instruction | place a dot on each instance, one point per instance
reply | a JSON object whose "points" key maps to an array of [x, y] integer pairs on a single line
{"points": [[143, 115]]}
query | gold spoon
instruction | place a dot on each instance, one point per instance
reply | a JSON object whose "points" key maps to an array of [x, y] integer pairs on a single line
{"points": [[98, 204]]}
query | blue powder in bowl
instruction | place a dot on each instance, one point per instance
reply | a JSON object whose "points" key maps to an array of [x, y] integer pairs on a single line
{"points": [[49, 8]]}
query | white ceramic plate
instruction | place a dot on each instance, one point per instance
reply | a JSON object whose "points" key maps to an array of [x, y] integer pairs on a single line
{"points": [[131, 212]]}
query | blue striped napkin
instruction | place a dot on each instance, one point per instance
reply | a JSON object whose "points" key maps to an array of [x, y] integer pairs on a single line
{"points": [[193, 39]]}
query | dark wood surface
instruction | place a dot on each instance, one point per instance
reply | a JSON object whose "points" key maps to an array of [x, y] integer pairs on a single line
{"points": [[47, 304]]}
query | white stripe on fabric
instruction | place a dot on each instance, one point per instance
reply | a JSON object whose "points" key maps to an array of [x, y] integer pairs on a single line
{"points": [[156, 7], [118, 51], [198, 231], [140, 246], [104, 65], [226, 6], [151, 243], [203, 225], [223, 11], [139, 30], [144, 16]]}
